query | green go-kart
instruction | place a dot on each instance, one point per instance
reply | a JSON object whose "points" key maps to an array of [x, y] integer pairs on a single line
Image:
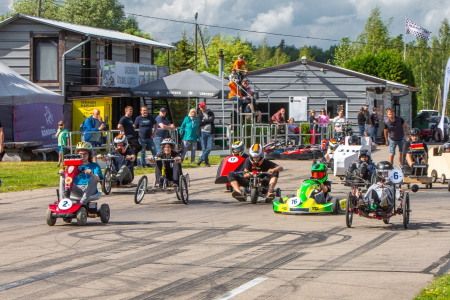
{"points": [[309, 200]]}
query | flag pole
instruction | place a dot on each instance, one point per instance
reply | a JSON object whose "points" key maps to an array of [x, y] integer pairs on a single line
{"points": [[404, 40]]}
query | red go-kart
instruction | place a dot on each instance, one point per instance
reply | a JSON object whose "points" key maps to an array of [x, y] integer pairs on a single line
{"points": [[232, 163], [69, 207]]}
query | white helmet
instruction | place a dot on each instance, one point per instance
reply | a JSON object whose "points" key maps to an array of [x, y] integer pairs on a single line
{"points": [[238, 148], [256, 150]]}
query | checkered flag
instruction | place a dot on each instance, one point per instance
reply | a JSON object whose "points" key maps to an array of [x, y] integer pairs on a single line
{"points": [[417, 30]]}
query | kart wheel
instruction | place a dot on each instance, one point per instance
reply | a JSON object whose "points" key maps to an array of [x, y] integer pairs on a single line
{"points": [[253, 196], [349, 211], [426, 138], [429, 185], [50, 220], [67, 220], [386, 221], [335, 210], [278, 192], [406, 211], [184, 193], [106, 183], [443, 178], [433, 176], [105, 213], [140, 189], [82, 216]]}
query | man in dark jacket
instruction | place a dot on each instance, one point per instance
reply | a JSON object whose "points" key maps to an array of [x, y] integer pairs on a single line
{"points": [[205, 130]]}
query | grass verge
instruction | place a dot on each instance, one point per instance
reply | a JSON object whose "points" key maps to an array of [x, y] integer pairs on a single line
{"points": [[438, 289], [21, 176]]}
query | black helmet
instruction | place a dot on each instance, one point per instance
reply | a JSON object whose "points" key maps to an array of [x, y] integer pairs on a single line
{"points": [[364, 152], [353, 139], [383, 169], [446, 146], [414, 131]]}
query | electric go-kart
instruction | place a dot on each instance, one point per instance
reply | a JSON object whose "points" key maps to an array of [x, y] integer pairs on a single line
{"points": [[273, 149], [345, 154], [110, 180], [308, 200], [439, 163], [328, 147], [418, 174], [258, 187], [302, 152], [69, 207], [232, 163], [164, 184], [373, 210]]}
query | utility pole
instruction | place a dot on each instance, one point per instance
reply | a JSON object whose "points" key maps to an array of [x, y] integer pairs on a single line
{"points": [[39, 8], [195, 39]]}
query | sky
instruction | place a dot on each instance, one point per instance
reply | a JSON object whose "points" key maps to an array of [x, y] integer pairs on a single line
{"points": [[321, 19]]}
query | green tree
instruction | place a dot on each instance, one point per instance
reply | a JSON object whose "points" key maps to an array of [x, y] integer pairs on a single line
{"points": [[263, 55], [375, 36], [49, 8], [344, 51], [278, 58], [107, 14], [183, 57], [306, 51]]}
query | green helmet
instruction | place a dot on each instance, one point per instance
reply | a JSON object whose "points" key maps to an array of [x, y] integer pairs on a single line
{"points": [[319, 172]]}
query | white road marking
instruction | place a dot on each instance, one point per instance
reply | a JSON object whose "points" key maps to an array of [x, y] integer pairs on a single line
{"points": [[241, 289], [25, 281]]}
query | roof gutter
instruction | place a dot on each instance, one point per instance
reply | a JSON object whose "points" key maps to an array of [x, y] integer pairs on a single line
{"points": [[63, 61]]}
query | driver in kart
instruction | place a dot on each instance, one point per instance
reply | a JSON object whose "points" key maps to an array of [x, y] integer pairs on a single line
{"points": [[362, 167], [413, 146], [255, 163], [85, 184], [173, 169], [238, 148], [124, 163], [319, 172]]}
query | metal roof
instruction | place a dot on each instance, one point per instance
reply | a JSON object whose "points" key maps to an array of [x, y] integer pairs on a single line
{"points": [[91, 31]]}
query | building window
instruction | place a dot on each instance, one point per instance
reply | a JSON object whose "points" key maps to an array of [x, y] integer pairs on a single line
{"points": [[108, 50], [334, 106], [45, 59], [137, 53]]}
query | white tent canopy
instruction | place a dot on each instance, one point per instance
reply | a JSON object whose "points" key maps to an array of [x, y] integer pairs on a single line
{"points": [[16, 90]]}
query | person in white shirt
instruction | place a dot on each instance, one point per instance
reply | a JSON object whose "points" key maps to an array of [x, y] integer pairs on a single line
{"points": [[338, 121]]}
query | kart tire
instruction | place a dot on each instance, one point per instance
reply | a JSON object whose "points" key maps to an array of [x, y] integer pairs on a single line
{"points": [[349, 211], [184, 192], [141, 188], [433, 176], [406, 211], [426, 138], [253, 196], [443, 178], [386, 221], [82, 216], [67, 220], [429, 185], [105, 213], [278, 192], [49, 218], [106, 183], [335, 206]]}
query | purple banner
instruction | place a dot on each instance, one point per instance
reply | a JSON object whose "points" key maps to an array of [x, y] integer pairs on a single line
{"points": [[38, 122]]}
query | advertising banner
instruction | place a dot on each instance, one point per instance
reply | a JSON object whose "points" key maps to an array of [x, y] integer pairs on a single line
{"points": [[446, 86]]}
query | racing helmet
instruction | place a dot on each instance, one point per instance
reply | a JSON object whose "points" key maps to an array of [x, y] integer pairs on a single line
{"points": [[383, 169], [121, 139], [414, 131], [168, 141], [84, 146], [364, 152], [238, 148], [446, 146], [319, 172], [353, 139], [256, 151]]}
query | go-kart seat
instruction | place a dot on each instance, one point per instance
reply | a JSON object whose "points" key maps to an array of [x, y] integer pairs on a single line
{"points": [[92, 198], [418, 169]]}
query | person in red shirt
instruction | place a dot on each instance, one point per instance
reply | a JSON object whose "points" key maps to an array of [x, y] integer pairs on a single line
{"points": [[240, 67]]}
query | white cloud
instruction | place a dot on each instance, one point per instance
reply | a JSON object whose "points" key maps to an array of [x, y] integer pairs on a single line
{"points": [[335, 19]]}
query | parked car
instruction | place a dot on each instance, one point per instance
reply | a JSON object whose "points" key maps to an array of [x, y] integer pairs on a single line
{"points": [[429, 111]]}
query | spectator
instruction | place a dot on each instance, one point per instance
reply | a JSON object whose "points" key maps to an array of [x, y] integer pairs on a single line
{"points": [[63, 140], [145, 123], [394, 135], [188, 133], [127, 128], [280, 118], [205, 130], [233, 75], [361, 121], [374, 124], [293, 131], [235, 93], [248, 99], [313, 126], [163, 130], [367, 123], [324, 119], [240, 67], [338, 122], [93, 123]]}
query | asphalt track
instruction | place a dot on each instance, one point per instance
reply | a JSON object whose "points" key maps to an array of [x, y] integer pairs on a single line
{"points": [[218, 248]]}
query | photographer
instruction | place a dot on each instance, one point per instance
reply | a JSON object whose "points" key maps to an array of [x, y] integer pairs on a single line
{"points": [[94, 123]]}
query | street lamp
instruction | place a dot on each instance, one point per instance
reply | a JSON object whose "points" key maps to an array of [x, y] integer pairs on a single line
{"points": [[304, 60]]}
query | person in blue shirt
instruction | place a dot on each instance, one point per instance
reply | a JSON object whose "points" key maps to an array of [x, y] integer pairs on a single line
{"points": [[164, 127], [93, 123], [145, 123], [85, 184]]}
